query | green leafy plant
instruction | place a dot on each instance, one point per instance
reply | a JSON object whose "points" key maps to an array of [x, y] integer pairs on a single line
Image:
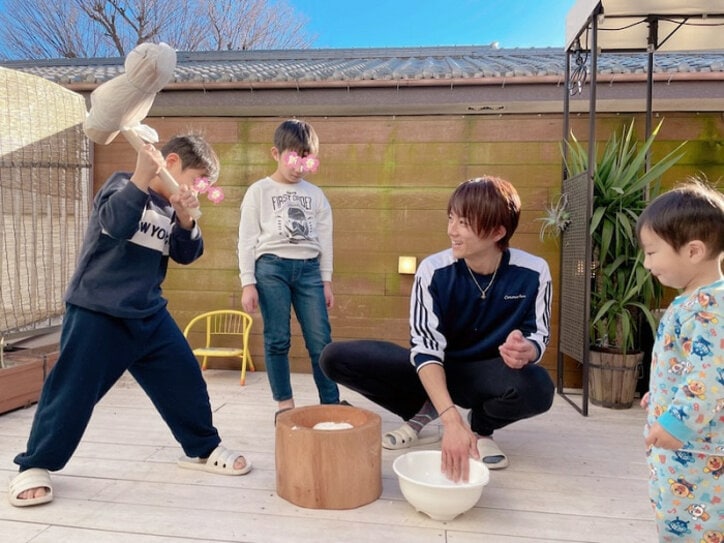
{"points": [[623, 293]]}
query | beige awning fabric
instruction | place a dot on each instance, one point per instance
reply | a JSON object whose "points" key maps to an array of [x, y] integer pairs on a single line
{"points": [[623, 25]]}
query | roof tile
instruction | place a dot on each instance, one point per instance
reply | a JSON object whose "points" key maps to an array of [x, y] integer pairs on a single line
{"points": [[353, 65]]}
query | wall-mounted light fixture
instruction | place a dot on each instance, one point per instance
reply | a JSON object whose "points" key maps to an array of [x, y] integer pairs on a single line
{"points": [[407, 264]]}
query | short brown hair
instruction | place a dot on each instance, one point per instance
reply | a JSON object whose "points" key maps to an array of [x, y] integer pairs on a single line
{"points": [[298, 136], [195, 152], [693, 210], [487, 203]]}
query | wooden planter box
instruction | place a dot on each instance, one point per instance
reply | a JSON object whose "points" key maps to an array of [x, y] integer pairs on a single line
{"points": [[22, 378]]}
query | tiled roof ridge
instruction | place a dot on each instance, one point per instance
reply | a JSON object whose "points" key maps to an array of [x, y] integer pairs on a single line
{"points": [[332, 66], [291, 54]]}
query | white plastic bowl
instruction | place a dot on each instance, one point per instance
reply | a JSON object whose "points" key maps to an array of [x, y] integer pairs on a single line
{"points": [[429, 491]]}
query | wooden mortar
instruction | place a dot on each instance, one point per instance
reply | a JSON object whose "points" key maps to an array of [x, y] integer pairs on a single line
{"points": [[328, 469]]}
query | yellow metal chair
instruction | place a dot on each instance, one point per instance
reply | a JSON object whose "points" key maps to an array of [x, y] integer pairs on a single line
{"points": [[218, 325]]}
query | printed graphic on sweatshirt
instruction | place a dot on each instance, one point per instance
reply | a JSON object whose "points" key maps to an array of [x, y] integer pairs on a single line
{"points": [[293, 216], [153, 232]]}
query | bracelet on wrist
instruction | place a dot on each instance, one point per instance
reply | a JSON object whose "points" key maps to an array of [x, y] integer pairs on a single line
{"points": [[448, 408]]}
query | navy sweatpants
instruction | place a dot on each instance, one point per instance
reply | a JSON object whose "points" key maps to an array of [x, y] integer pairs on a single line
{"points": [[95, 350], [496, 394]]}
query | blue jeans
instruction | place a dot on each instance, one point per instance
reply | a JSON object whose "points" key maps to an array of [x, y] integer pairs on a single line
{"points": [[281, 284]]}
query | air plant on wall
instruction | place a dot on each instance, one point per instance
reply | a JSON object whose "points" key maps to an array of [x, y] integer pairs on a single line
{"points": [[556, 219]]}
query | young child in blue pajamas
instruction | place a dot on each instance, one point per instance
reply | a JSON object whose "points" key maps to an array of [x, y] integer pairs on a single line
{"points": [[682, 235], [116, 320]]}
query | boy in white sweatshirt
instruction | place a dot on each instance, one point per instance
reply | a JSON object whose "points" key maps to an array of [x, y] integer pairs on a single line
{"points": [[285, 259]]}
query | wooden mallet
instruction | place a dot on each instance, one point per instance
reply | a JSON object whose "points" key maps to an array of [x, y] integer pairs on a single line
{"points": [[120, 104]]}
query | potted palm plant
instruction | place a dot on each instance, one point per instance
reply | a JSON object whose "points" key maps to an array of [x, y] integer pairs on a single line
{"points": [[623, 294]]}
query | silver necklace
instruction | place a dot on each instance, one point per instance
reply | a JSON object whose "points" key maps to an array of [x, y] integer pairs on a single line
{"points": [[484, 292]]}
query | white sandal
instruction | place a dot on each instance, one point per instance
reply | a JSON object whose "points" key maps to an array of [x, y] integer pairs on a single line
{"points": [[405, 437], [25, 480], [220, 461], [487, 448]]}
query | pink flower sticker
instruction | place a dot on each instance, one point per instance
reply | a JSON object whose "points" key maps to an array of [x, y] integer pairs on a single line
{"points": [[201, 184], [293, 160], [215, 194], [310, 163], [306, 164]]}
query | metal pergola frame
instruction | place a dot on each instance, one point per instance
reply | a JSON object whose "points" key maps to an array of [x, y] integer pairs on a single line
{"points": [[601, 26]]}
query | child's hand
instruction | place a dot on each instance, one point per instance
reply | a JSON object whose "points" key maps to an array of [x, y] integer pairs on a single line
{"points": [[328, 295], [658, 437], [645, 401], [249, 298], [148, 163], [184, 200]]}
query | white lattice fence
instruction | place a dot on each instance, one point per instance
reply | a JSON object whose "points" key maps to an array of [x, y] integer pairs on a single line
{"points": [[45, 191]]}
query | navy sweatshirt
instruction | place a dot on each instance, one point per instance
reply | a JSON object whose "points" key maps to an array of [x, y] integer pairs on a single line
{"points": [[450, 323], [128, 242]]}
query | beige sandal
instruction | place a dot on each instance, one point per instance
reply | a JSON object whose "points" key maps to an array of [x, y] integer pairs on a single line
{"points": [[220, 461], [26, 480], [405, 437], [491, 455]]}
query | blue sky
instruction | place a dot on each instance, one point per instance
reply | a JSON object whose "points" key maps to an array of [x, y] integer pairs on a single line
{"points": [[400, 23]]}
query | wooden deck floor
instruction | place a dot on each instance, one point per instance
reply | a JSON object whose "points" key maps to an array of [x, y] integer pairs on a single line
{"points": [[571, 479]]}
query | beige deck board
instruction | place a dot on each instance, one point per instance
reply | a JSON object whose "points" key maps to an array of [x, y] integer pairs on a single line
{"points": [[571, 479]]}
